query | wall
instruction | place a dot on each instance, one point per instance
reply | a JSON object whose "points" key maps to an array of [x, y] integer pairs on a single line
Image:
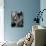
{"points": [[1, 21], [29, 8], [43, 6]]}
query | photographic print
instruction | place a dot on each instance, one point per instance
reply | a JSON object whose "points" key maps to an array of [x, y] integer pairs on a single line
{"points": [[17, 19]]}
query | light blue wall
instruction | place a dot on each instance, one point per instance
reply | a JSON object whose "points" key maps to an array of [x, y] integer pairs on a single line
{"points": [[43, 6], [29, 8]]}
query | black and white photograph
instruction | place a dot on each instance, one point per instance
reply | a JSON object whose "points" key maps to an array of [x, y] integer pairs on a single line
{"points": [[17, 19]]}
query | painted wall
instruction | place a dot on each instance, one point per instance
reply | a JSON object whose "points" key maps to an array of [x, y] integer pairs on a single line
{"points": [[43, 6], [1, 21], [29, 7]]}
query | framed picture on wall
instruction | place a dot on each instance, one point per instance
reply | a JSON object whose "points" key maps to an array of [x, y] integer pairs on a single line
{"points": [[17, 19]]}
